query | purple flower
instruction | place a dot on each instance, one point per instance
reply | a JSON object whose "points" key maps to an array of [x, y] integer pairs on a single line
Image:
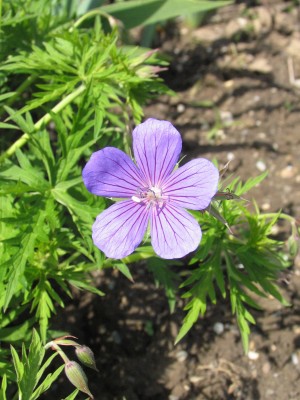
{"points": [[154, 192]]}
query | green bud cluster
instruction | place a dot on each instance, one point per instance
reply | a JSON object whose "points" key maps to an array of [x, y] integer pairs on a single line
{"points": [[77, 377], [73, 370]]}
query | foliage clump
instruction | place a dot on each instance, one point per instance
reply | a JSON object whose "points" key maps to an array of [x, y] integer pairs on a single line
{"points": [[70, 86]]}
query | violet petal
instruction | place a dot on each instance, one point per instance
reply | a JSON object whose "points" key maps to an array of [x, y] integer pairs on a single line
{"points": [[119, 229], [111, 173], [156, 146], [193, 185], [174, 232]]}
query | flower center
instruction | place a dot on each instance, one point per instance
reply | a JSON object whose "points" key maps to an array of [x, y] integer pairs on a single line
{"points": [[150, 196]]}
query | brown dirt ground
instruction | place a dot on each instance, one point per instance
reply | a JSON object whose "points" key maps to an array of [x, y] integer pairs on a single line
{"points": [[234, 101]]}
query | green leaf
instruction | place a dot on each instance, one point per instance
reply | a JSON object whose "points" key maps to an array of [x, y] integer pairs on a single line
{"points": [[15, 333], [45, 365], [82, 213], [219, 276], [25, 251], [4, 125], [65, 185], [19, 367], [122, 267], [41, 147], [72, 396], [195, 308], [26, 174], [7, 95], [86, 286], [46, 384], [24, 124], [164, 276], [99, 116], [31, 369], [43, 303], [250, 183], [35, 357], [136, 12], [3, 388]]}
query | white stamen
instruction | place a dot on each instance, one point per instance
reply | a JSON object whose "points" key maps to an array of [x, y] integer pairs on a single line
{"points": [[136, 199], [150, 196]]}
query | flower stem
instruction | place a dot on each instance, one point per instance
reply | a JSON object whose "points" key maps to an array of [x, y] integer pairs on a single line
{"points": [[281, 215], [91, 14], [41, 122], [56, 348], [130, 259]]}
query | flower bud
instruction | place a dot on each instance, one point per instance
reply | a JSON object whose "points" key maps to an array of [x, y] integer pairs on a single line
{"points": [[77, 377], [147, 71], [86, 356], [143, 57]]}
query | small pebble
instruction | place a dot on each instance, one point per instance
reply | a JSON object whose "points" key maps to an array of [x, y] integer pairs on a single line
{"points": [[226, 117], [184, 30], [180, 108], [262, 135], [218, 328], [294, 359], [124, 301], [254, 373], [204, 126], [253, 355], [195, 379], [252, 345], [112, 285], [261, 166], [265, 206], [102, 329], [288, 172], [296, 328], [285, 257], [116, 337], [270, 392], [266, 368], [275, 229], [230, 156], [220, 134], [273, 347], [181, 355], [229, 83]]}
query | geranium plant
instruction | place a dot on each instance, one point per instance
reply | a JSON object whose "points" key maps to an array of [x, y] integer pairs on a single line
{"points": [[71, 93]]}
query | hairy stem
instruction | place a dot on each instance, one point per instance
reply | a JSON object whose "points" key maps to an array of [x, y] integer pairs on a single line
{"points": [[281, 215], [54, 346], [91, 14], [135, 257]]}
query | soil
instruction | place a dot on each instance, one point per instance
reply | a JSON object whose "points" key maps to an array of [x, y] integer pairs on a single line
{"points": [[235, 100]]}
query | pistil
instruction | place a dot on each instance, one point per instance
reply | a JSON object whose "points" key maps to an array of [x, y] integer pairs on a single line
{"points": [[150, 196]]}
